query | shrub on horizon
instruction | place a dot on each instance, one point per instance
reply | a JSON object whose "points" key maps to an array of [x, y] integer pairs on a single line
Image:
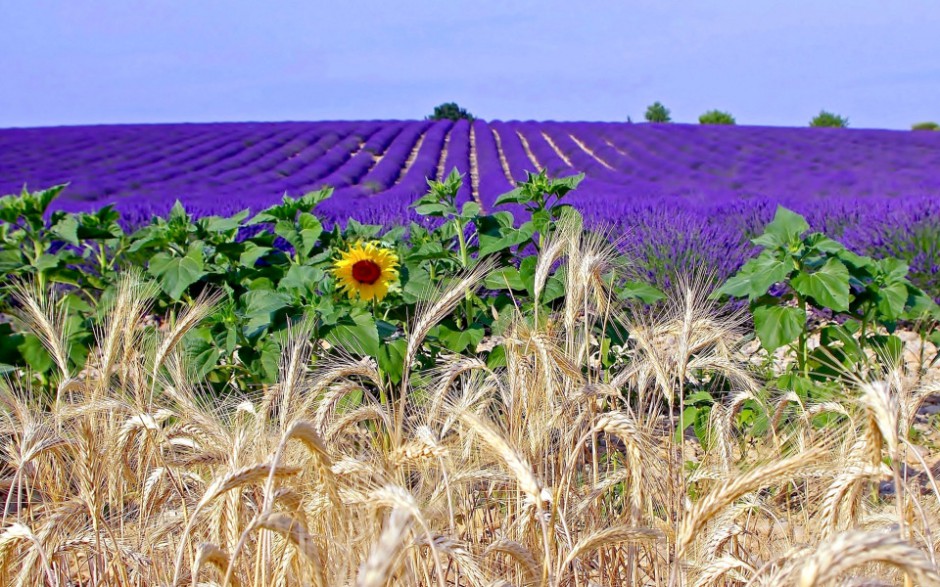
{"points": [[450, 111], [925, 126], [656, 112], [829, 120], [716, 117]]}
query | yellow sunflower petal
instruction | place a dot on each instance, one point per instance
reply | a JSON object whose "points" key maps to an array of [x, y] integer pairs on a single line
{"points": [[373, 260]]}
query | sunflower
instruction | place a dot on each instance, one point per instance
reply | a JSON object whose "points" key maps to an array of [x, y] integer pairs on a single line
{"points": [[366, 270]]}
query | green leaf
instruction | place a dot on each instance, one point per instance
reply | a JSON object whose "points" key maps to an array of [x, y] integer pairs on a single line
{"points": [[496, 233], [786, 227], [11, 261], [637, 290], [434, 209], [823, 244], [176, 274], [828, 286], [416, 284], [516, 196], [504, 278], [854, 261], [178, 213], [470, 210], [689, 416], [229, 224], [310, 231], [203, 356], [301, 279], [260, 306], [357, 334], [67, 229], [251, 254], [35, 353], [458, 339], [45, 197], [891, 300], [890, 348], [270, 358], [46, 262], [893, 269], [392, 359], [756, 277], [778, 325]]}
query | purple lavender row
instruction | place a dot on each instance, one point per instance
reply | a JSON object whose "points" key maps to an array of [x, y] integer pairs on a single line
{"points": [[493, 180], [543, 151], [458, 156], [361, 159], [413, 182], [512, 150], [386, 172]]}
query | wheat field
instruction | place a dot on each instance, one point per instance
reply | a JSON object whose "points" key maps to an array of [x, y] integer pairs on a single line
{"points": [[554, 470]]}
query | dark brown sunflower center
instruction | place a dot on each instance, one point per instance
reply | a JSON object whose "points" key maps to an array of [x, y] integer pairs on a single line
{"points": [[366, 272]]}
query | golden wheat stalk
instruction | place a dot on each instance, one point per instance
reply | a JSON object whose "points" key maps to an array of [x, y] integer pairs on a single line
{"points": [[762, 476], [855, 548], [608, 537]]}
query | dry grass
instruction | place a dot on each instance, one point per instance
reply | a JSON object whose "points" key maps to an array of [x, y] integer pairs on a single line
{"points": [[552, 471]]}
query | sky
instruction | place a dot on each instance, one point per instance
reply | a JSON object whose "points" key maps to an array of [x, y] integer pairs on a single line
{"points": [[67, 62]]}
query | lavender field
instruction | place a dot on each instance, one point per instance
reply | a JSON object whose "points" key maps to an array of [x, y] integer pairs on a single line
{"points": [[681, 195]]}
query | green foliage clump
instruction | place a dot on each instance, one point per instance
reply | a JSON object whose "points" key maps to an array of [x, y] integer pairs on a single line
{"points": [[925, 126], [829, 120], [450, 111], [716, 117], [798, 270], [265, 287], [656, 112]]}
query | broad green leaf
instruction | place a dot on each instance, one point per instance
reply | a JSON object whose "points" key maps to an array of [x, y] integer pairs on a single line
{"points": [[824, 244], [356, 334], [203, 356], [891, 300], [310, 231], [504, 278], [35, 353], [10, 261], [416, 284], [67, 229], [46, 262], [637, 290], [470, 210], [787, 226], [176, 274], [777, 326], [689, 415], [251, 254], [828, 286], [457, 339], [854, 261], [434, 209], [756, 277], [301, 279], [220, 224], [260, 306], [270, 358], [890, 348], [178, 213], [392, 359], [45, 197], [516, 196]]}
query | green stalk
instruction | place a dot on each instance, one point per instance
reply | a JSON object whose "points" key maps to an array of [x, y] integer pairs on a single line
{"points": [[464, 262], [802, 352]]}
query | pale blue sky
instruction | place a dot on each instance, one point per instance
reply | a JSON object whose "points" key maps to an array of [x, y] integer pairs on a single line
{"points": [[767, 62]]}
